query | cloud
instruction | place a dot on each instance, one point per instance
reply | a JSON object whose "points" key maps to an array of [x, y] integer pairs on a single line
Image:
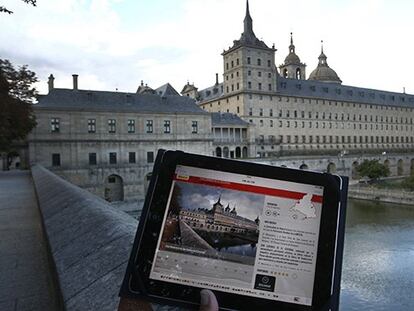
{"points": [[99, 40]]}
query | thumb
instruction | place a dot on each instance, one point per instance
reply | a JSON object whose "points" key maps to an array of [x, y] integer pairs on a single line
{"points": [[208, 301]]}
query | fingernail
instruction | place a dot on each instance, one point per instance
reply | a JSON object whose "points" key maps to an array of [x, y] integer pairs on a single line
{"points": [[205, 298]]}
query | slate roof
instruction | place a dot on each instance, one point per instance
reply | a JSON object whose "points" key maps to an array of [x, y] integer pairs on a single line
{"points": [[83, 100], [166, 90], [333, 91], [328, 91], [210, 93], [218, 118]]}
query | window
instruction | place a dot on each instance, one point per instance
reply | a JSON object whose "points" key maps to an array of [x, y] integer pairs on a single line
{"points": [[249, 72], [150, 126], [131, 126], [150, 157], [92, 158], [167, 126], [269, 63], [270, 87], [194, 126], [271, 123], [271, 112], [55, 125], [269, 75], [261, 112], [237, 62], [56, 159], [249, 85], [248, 60], [259, 62], [132, 157], [91, 125], [111, 126], [112, 158]]}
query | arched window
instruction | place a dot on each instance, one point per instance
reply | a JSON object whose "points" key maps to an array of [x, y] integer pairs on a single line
{"points": [[298, 74], [285, 73]]}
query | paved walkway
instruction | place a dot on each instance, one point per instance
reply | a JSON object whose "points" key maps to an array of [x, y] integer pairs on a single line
{"points": [[26, 282]]}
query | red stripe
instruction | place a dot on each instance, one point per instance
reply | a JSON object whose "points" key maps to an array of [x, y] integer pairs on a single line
{"points": [[248, 188]]}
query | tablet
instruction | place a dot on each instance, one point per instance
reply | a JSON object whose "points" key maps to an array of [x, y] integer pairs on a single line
{"points": [[261, 237]]}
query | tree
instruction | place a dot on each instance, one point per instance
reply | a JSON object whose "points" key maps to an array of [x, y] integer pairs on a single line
{"points": [[372, 169], [5, 10], [16, 98]]}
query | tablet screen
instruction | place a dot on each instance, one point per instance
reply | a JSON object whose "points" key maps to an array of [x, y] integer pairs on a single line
{"points": [[240, 234]]}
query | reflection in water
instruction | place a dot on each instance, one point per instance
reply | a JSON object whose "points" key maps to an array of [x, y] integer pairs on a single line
{"points": [[378, 271], [245, 250]]}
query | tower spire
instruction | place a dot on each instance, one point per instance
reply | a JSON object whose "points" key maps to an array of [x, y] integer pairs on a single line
{"points": [[291, 46], [248, 24], [322, 58]]}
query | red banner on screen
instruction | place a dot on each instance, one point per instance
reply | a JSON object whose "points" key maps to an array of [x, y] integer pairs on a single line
{"points": [[247, 188]]}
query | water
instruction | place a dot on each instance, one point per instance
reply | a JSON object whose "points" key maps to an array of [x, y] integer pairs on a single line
{"points": [[378, 271], [244, 250]]}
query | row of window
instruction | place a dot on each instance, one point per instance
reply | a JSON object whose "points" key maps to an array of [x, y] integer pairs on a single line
{"points": [[132, 159], [249, 62], [334, 139], [249, 73], [333, 103], [330, 125], [249, 86], [149, 126], [334, 116]]}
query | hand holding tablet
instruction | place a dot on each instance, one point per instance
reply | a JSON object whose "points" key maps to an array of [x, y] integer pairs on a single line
{"points": [[258, 236]]}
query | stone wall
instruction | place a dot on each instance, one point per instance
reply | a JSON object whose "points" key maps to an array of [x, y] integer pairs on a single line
{"points": [[382, 195], [90, 242]]}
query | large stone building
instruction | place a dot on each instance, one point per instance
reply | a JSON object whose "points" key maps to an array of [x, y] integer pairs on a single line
{"points": [[219, 219], [293, 115], [106, 142]]}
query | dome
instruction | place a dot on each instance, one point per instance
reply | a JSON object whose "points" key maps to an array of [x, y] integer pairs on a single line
{"points": [[292, 58], [323, 72]]}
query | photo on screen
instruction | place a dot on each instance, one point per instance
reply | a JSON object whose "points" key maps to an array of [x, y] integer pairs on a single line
{"points": [[213, 222]]}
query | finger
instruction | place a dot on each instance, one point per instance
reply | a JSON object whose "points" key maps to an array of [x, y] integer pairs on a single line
{"points": [[208, 301]]}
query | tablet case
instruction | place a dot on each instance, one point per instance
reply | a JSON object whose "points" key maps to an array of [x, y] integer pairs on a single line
{"points": [[126, 292]]}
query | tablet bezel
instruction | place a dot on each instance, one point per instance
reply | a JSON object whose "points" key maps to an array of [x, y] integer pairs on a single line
{"points": [[137, 281]]}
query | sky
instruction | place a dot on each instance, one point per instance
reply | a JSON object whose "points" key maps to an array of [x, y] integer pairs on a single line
{"points": [[114, 44]]}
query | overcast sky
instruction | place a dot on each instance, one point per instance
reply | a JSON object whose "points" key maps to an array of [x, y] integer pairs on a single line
{"points": [[117, 43]]}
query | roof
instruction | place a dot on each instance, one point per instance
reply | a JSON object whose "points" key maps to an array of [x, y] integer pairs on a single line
{"points": [[218, 118], [211, 93], [323, 72], [84, 100], [188, 87], [332, 91], [166, 90], [248, 38]]}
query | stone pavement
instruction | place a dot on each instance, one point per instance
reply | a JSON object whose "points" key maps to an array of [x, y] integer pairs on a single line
{"points": [[26, 280]]}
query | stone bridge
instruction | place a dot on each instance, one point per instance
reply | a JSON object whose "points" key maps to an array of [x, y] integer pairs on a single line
{"points": [[399, 164]]}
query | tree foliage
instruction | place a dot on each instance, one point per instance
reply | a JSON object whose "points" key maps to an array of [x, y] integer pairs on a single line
{"points": [[408, 183], [16, 98], [372, 169], [5, 10]]}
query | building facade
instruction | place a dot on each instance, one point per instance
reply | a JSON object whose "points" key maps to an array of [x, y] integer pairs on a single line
{"points": [[295, 115], [107, 142], [219, 219]]}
